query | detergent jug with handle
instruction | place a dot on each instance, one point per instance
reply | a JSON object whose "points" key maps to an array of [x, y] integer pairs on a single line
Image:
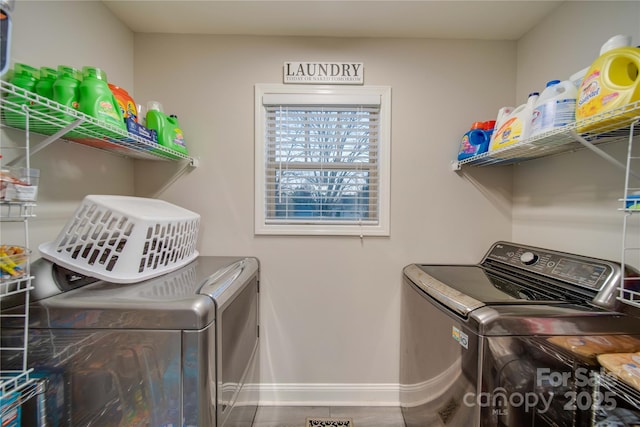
{"points": [[556, 107], [65, 89], [169, 132], [96, 99], [44, 87], [611, 82], [515, 126], [25, 77], [125, 102], [476, 140]]}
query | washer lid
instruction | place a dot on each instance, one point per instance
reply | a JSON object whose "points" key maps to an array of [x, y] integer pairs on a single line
{"points": [[464, 288]]}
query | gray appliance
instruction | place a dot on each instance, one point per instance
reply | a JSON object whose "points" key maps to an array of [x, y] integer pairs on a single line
{"points": [[177, 350], [485, 345]]}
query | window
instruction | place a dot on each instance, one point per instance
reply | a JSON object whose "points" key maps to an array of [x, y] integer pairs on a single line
{"points": [[322, 160]]}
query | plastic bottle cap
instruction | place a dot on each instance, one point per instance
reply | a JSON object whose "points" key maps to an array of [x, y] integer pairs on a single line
{"points": [[46, 72], [66, 71], [615, 42], [552, 82], [155, 106], [94, 72], [489, 125], [25, 70]]}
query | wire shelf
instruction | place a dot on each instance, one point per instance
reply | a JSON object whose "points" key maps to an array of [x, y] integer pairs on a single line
{"points": [[16, 211], [47, 117], [609, 126]]}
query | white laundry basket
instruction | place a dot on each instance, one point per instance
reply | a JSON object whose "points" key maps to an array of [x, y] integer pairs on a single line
{"points": [[124, 239]]}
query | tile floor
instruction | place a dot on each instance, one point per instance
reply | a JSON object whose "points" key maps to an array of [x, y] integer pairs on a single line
{"points": [[295, 416]]}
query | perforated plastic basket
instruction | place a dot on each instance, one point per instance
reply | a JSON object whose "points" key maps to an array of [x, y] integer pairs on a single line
{"points": [[124, 239]]}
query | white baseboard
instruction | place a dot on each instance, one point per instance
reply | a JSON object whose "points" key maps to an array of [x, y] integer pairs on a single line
{"points": [[297, 394]]}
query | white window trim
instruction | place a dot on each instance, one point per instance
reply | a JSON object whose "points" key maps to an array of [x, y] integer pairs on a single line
{"points": [[380, 229]]}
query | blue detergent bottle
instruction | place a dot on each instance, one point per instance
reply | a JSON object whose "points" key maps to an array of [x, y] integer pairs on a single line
{"points": [[476, 140]]}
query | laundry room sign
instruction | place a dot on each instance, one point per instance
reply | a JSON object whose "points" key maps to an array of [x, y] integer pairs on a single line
{"points": [[346, 73]]}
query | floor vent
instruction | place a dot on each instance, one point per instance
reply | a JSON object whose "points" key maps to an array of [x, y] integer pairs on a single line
{"points": [[329, 422]]}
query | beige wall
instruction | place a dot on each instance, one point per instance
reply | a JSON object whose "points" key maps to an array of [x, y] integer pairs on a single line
{"points": [[330, 305], [71, 33], [570, 201]]}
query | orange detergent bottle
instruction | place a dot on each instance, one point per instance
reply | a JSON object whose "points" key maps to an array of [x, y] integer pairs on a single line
{"points": [[125, 102], [611, 83]]}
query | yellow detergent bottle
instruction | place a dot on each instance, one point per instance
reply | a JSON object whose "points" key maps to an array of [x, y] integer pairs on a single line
{"points": [[611, 83]]}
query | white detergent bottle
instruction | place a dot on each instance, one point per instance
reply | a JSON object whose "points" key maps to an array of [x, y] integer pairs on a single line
{"points": [[556, 107], [503, 115], [516, 125]]}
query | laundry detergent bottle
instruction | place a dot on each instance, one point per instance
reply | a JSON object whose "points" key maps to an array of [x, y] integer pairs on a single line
{"points": [[515, 126], [125, 102], [169, 132], [44, 87], [611, 82], [475, 141], [65, 89], [96, 99], [556, 107], [25, 77]]}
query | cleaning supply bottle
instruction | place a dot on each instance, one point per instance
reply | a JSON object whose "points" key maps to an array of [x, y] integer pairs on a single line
{"points": [[515, 126], [44, 87], [169, 133], [96, 99], [125, 102], [614, 42], [556, 107], [174, 136], [503, 114], [474, 142], [611, 82], [65, 89], [25, 77]]}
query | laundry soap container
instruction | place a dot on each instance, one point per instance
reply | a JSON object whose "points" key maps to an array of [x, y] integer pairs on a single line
{"points": [[169, 132], [515, 126], [611, 83], [96, 99], [44, 86], [476, 140], [65, 89], [556, 107], [24, 77], [125, 102]]}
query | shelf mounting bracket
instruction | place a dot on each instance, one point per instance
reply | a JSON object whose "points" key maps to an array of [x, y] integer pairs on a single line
{"points": [[48, 140], [190, 163], [602, 154]]}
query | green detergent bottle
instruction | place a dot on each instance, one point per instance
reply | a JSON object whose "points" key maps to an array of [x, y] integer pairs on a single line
{"points": [[44, 87], [96, 99], [25, 77], [65, 89], [169, 132]]}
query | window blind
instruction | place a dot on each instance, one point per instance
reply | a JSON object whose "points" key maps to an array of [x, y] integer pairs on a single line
{"points": [[322, 160]]}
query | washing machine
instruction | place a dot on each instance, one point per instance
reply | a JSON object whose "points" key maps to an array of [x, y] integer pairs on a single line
{"points": [[510, 341]]}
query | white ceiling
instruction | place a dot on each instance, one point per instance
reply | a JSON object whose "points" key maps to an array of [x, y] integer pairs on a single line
{"points": [[452, 19]]}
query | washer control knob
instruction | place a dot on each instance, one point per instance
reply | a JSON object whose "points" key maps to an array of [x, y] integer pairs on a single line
{"points": [[528, 258]]}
